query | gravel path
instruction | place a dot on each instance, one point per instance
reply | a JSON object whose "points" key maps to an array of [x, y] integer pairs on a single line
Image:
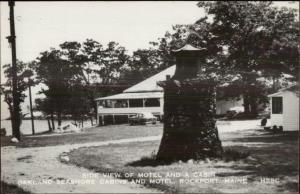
{"points": [[47, 174]]}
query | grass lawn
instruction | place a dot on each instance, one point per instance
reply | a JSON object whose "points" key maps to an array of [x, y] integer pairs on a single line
{"points": [[12, 189], [272, 165], [94, 134]]}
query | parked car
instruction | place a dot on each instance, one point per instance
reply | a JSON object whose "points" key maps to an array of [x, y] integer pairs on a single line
{"points": [[142, 118], [237, 109]]}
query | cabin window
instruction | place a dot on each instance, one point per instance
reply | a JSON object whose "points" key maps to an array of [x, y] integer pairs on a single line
{"points": [[136, 103], [277, 105], [152, 102]]}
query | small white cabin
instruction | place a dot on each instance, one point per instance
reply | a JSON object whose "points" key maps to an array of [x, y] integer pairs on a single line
{"points": [[285, 108]]}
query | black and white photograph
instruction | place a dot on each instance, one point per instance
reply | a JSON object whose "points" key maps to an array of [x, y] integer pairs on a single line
{"points": [[149, 97]]}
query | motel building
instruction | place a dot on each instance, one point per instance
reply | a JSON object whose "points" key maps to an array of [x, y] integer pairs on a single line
{"points": [[145, 96]]}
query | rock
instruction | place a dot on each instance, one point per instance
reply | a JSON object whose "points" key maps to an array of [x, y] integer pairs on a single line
{"points": [[191, 161], [263, 122], [14, 140], [207, 160], [251, 158], [67, 128], [65, 158]]}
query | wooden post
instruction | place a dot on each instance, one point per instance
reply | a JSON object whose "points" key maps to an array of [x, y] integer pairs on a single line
{"points": [[16, 121]]}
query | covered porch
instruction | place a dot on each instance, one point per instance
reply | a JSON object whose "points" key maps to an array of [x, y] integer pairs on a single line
{"points": [[116, 109]]}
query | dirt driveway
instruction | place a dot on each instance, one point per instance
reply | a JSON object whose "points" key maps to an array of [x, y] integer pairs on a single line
{"points": [[47, 174]]}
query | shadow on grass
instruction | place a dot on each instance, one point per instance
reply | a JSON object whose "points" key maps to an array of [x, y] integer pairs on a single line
{"points": [[228, 155], [27, 157], [291, 186], [12, 189], [149, 161], [269, 137], [233, 155]]}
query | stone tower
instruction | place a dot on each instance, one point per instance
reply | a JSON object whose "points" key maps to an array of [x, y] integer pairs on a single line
{"points": [[190, 130]]}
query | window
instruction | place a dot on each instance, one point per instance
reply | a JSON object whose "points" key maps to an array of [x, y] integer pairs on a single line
{"points": [[136, 103], [107, 104], [277, 105], [121, 104], [152, 102]]}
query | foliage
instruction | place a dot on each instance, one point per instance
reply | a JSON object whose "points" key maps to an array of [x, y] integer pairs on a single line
{"points": [[258, 41], [74, 73], [58, 75], [23, 72]]}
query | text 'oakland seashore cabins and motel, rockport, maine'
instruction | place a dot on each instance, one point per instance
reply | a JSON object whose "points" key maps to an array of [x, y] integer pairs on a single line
{"points": [[145, 96]]}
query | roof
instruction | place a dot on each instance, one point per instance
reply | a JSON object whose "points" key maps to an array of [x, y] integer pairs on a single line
{"points": [[293, 88], [150, 84], [133, 96], [188, 47]]}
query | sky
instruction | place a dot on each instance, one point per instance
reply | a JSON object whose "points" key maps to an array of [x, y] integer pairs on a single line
{"points": [[41, 25], [133, 24]]}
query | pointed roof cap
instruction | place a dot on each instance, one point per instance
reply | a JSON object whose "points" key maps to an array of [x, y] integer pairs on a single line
{"points": [[188, 48]]}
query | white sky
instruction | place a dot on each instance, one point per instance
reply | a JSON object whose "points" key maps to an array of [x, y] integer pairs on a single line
{"points": [[41, 25]]}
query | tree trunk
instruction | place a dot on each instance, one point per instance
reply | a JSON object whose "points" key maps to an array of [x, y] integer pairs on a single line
{"points": [[59, 119], [246, 104], [49, 125], [94, 103], [253, 105], [11, 115], [190, 130], [16, 123], [52, 121]]}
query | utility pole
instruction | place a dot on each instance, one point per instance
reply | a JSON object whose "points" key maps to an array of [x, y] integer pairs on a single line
{"points": [[31, 112], [16, 101]]}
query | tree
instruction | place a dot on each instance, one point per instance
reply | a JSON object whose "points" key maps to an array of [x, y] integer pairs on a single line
{"points": [[96, 65], [58, 75], [23, 72], [260, 41], [141, 65], [241, 39], [145, 63]]}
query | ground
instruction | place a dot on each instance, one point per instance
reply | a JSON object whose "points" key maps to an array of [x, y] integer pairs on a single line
{"points": [[94, 134], [121, 149], [271, 158]]}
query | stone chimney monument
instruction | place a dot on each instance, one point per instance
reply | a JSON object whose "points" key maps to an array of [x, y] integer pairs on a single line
{"points": [[190, 130]]}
